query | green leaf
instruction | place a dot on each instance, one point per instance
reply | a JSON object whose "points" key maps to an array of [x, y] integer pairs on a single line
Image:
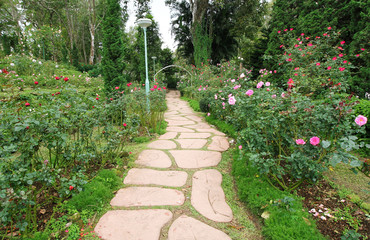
{"points": [[355, 163], [335, 160], [18, 128], [325, 144]]}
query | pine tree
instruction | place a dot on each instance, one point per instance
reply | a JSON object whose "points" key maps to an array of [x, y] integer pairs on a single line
{"points": [[113, 48]]}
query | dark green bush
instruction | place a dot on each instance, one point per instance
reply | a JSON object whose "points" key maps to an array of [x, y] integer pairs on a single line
{"points": [[204, 104], [97, 192], [194, 104]]}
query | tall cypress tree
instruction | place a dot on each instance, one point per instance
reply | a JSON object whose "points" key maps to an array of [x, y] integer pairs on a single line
{"points": [[113, 48]]}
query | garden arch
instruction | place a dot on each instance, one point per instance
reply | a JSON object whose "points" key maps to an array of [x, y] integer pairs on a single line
{"points": [[169, 66]]}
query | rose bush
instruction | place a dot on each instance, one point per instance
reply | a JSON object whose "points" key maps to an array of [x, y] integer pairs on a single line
{"points": [[55, 133], [291, 130]]}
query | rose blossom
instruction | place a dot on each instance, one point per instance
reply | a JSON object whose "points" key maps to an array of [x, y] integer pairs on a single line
{"points": [[232, 100], [361, 120], [315, 140], [300, 142], [249, 92], [260, 84]]}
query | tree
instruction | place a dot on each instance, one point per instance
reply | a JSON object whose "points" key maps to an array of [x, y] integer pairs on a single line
{"points": [[181, 25], [166, 60], [349, 17], [113, 48]]}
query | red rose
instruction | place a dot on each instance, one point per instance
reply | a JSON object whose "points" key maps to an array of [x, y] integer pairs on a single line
{"points": [[70, 188], [27, 104], [36, 82], [65, 79], [57, 78]]}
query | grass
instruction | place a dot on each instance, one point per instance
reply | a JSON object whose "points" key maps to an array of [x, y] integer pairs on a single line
{"points": [[222, 126], [282, 221], [349, 184], [194, 104]]}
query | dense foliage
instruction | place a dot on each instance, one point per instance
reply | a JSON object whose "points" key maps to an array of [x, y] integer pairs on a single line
{"points": [[113, 48], [57, 130], [292, 131], [349, 18]]}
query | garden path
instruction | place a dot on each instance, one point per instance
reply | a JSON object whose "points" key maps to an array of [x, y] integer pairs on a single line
{"points": [[173, 180]]}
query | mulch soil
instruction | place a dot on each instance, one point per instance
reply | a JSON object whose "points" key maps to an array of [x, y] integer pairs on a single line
{"points": [[333, 214]]}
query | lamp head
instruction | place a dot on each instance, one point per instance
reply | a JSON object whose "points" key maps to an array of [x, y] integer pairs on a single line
{"points": [[144, 22]]}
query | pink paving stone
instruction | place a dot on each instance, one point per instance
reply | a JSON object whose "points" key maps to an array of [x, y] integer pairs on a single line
{"points": [[194, 118], [211, 130], [186, 227], [132, 224], [208, 197], [194, 135], [147, 196], [154, 158], [199, 125], [162, 144], [179, 129], [219, 144], [178, 118], [140, 176], [196, 158], [168, 135], [179, 123], [192, 143]]}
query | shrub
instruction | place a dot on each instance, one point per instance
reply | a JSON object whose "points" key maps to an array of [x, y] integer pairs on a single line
{"points": [[285, 221], [96, 193]]}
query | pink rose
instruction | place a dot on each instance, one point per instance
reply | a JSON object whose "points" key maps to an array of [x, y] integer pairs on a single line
{"points": [[260, 84], [232, 100], [249, 92], [361, 120], [300, 142], [267, 84], [314, 141]]}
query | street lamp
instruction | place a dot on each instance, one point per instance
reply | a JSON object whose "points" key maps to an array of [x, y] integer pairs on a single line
{"points": [[154, 58], [144, 23]]}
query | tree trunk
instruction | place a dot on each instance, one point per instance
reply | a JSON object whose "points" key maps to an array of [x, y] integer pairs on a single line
{"points": [[92, 27], [198, 9]]}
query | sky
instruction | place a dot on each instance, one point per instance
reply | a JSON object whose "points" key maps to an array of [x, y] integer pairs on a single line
{"points": [[162, 16]]}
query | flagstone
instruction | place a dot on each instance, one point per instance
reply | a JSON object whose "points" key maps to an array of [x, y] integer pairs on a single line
{"points": [[168, 135], [185, 227], [179, 129], [192, 143], [139, 176], [211, 130], [132, 224], [194, 135], [194, 118], [199, 125], [208, 197], [147, 196], [162, 144], [219, 144], [178, 118], [179, 123], [196, 158], [154, 158]]}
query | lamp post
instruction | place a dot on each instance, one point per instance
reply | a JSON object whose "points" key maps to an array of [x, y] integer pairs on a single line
{"points": [[144, 23], [154, 58]]}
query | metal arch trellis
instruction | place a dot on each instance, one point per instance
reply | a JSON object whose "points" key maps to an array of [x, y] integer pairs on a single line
{"points": [[191, 75]]}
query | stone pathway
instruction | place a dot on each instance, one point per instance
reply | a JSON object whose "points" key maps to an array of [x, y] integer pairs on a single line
{"points": [[160, 178]]}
